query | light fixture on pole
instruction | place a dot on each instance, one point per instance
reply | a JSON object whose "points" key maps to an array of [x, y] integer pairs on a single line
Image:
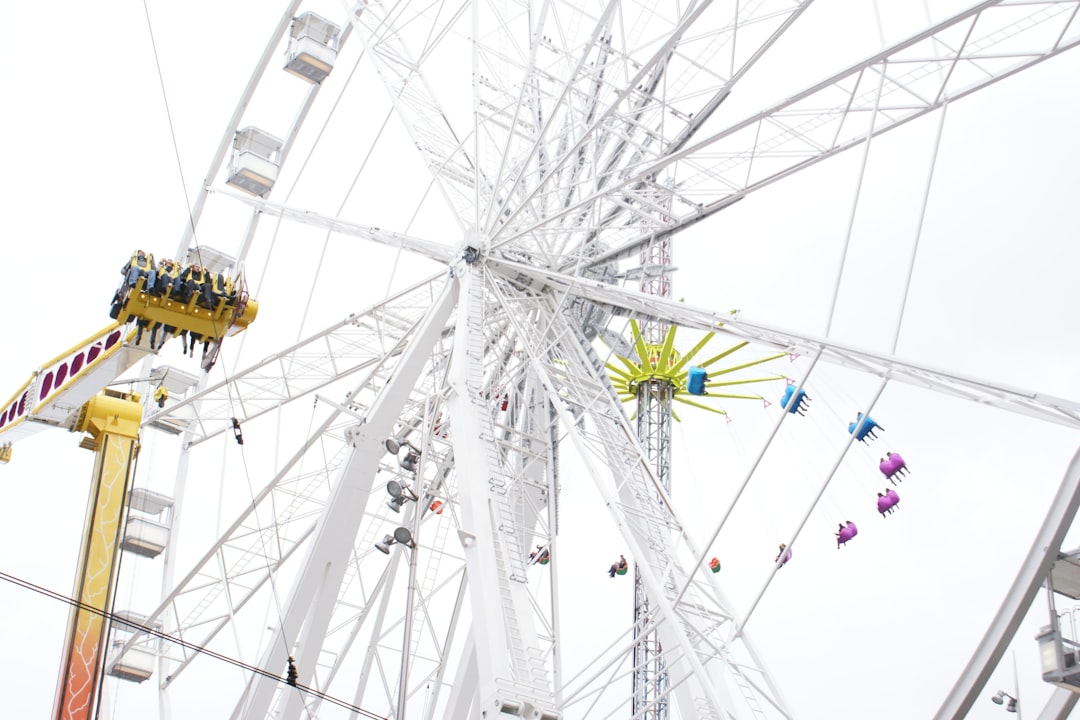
{"points": [[1004, 698], [383, 545], [401, 536], [407, 454], [399, 495]]}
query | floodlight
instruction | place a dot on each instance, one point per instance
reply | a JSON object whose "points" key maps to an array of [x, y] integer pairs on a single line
{"points": [[409, 460], [408, 455], [383, 546], [1000, 698], [403, 537], [399, 495]]}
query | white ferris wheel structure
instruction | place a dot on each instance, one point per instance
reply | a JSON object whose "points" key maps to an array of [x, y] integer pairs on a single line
{"points": [[405, 469]]}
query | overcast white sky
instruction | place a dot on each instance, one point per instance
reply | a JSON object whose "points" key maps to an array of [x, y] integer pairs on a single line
{"points": [[90, 172]]}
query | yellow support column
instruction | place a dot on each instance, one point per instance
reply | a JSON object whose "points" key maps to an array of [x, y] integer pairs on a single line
{"points": [[112, 419]]}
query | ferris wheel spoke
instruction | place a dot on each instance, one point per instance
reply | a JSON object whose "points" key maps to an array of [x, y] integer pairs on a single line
{"points": [[421, 246], [499, 498], [946, 62], [283, 515], [641, 84], [240, 564], [362, 341], [382, 32], [549, 104], [1025, 402]]}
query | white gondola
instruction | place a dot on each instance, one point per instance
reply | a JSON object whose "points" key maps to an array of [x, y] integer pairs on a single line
{"points": [[312, 47], [144, 535], [136, 664], [254, 166], [1059, 648]]}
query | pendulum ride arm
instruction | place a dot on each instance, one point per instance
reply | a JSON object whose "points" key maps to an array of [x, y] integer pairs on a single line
{"points": [[112, 419], [67, 392]]}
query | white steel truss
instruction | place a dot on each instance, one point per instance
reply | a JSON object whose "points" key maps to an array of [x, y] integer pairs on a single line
{"points": [[241, 563], [594, 132]]}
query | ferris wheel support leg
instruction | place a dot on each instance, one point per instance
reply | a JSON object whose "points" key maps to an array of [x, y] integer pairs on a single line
{"points": [[463, 696], [506, 642], [314, 593], [1043, 553]]}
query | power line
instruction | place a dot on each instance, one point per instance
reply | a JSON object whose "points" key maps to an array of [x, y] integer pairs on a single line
{"points": [[26, 584]]}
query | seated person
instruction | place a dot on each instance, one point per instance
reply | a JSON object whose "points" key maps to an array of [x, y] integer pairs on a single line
{"points": [[887, 501], [847, 531], [899, 466], [801, 403], [168, 271], [140, 265], [892, 466], [866, 429], [695, 383], [184, 285]]}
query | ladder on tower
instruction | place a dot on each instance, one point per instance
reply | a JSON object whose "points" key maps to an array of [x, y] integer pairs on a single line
{"points": [[530, 679], [748, 693], [500, 490]]}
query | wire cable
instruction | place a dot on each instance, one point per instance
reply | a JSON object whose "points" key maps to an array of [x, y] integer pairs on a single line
{"points": [[219, 332], [855, 205], [26, 584]]}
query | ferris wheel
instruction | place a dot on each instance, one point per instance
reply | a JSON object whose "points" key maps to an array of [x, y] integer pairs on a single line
{"points": [[419, 493]]}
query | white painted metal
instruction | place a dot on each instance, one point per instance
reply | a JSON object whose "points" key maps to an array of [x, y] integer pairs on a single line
{"points": [[417, 106], [509, 671], [948, 61], [312, 600], [1026, 402], [237, 566], [695, 650], [57, 390], [582, 113], [234, 124], [359, 342]]}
